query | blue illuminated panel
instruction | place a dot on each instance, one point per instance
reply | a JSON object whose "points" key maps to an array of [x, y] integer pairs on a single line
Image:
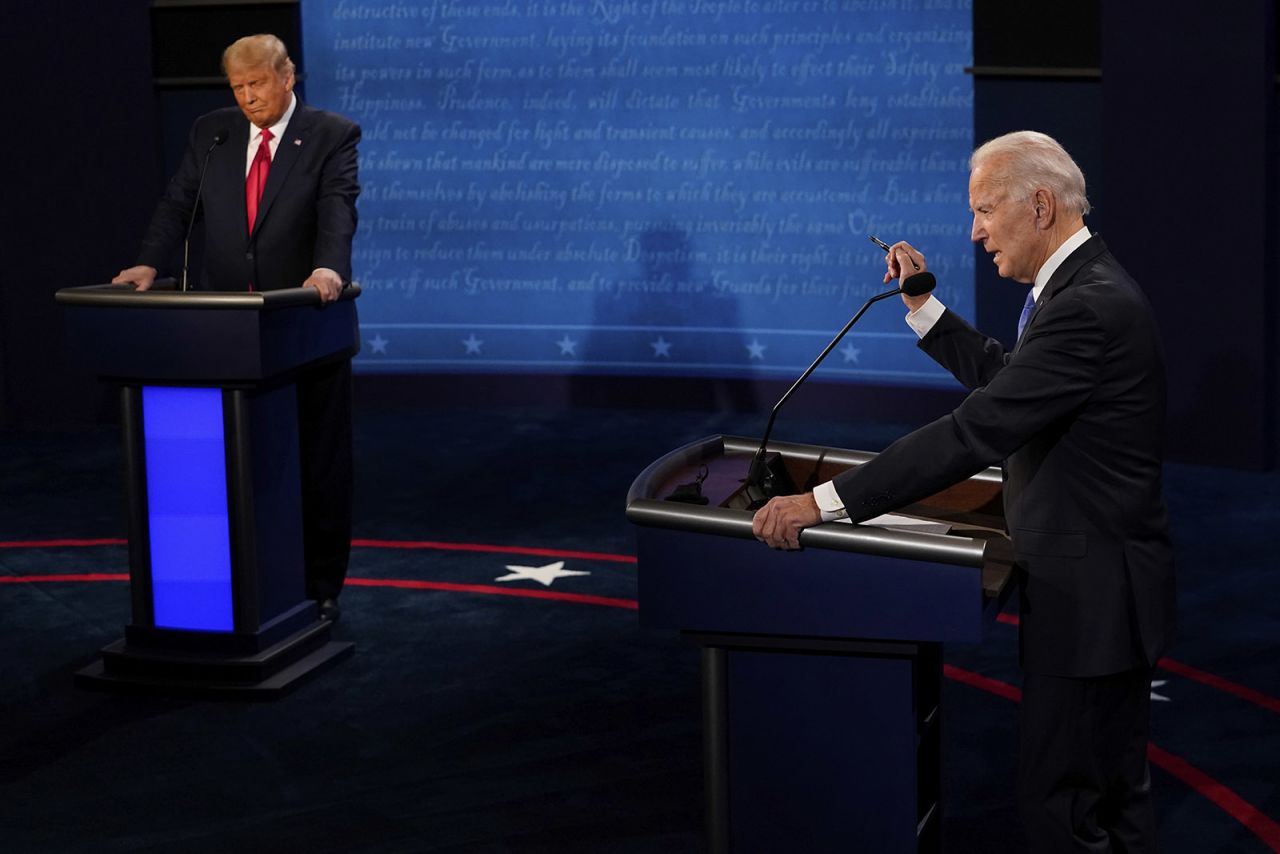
{"points": [[187, 508]]}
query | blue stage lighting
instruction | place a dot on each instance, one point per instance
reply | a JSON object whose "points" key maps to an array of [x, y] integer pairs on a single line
{"points": [[187, 508]]}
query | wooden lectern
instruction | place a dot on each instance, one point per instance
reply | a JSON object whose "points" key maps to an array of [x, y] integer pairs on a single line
{"points": [[822, 668], [210, 428]]}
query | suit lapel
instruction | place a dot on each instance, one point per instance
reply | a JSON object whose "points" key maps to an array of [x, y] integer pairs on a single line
{"points": [[1085, 252], [287, 153]]}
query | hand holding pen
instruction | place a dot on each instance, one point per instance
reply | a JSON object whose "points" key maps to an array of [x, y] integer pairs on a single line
{"points": [[887, 248], [899, 250], [900, 247]]}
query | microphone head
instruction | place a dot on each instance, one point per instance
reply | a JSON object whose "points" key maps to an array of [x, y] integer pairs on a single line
{"points": [[220, 137], [919, 284]]}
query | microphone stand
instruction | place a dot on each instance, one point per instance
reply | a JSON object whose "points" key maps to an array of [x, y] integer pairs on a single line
{"points": [[759, 474], [218, 138]]}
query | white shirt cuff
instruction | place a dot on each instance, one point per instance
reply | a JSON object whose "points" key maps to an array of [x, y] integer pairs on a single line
{"points": [[923, 318], [829, 502]]}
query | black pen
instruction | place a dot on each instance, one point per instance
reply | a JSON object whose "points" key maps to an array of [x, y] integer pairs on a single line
{"points": [[885, 246]]}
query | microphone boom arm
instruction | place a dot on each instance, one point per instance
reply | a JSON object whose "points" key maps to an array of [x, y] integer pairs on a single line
{"points": [[756, 474]]}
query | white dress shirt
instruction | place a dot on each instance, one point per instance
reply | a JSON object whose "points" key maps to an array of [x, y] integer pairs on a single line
{"points": [[277, 131]]}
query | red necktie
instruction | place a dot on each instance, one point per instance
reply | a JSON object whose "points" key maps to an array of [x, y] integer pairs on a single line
{"points": [[257, 179]]}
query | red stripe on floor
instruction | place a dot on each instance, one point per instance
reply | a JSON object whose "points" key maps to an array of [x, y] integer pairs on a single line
{"points": [[1257, 822], [493, 549], [81, 576], [368, 544], [58, 544], [984, 683], [1241, 691], [1195, 674], [488, 589], [1228, 801], [403, 583]]}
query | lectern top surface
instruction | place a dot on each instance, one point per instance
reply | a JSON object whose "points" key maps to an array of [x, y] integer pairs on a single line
{"points": [[124, 296], [163, 337], [974, 504]]}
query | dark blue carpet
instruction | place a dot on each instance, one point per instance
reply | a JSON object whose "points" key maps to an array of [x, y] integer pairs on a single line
{"points": [[469, 722]]}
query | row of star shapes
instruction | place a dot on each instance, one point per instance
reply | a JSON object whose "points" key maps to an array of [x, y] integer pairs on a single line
{"points": [[569, 347]]}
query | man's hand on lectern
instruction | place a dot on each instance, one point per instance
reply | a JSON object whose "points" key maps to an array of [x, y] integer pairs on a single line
{"points": [[778, 524], [326, 282], [141, 277]]}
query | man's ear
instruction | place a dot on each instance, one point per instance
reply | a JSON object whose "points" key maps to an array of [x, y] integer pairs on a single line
{"points": [[1046, 207]]}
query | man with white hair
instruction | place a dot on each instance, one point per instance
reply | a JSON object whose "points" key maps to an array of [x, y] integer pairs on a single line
{"points": [[278, 205], [1075, 413]]}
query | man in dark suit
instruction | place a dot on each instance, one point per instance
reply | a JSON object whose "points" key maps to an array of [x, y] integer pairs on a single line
{"points": [[1075, 413], [278, 211]]}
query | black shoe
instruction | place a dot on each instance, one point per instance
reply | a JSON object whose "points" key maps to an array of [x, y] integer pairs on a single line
{"points": [[329, 611]]}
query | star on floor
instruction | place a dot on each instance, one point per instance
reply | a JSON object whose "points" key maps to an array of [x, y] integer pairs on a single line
{"points": [[1159, 683], [544, 575], [755, 349], [661, 347], [568, 346], [472, 343], [378, 344], [850, 353]]}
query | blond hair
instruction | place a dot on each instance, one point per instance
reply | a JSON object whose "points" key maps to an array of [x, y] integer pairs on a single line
{"points": [[253, 51]]}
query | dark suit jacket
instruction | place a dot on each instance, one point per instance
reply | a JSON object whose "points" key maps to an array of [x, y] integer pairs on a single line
{"points": [[306, 219], [1076, 414]]}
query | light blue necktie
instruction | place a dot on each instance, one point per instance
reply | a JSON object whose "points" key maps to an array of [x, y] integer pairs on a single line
{"points": [[1026, 312]]}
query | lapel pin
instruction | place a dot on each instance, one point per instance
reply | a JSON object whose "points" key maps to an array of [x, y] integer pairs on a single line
{"points": [[297, 142]]}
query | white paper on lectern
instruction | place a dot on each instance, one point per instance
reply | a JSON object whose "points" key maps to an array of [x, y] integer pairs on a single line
{"points": [[894, 522]]}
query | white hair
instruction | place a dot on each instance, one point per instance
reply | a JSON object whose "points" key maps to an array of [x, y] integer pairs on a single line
{"points": [[1033, 161]]}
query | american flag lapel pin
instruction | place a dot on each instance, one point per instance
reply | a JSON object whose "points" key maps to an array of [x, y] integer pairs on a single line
{"points": [[297, 142]]}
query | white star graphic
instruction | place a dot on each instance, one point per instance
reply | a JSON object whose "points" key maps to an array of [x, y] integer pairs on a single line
{"points": [[1158, 683], [756, 349], [661, 347], [544, 575], [379, 344], [472, 343], [568, 347], [850, 352]]}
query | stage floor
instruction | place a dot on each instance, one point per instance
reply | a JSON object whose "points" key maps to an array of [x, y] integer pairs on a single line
{"points": [[502, 697]]}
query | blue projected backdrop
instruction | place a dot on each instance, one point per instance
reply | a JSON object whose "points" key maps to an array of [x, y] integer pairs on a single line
{"points": [[648, 186]]}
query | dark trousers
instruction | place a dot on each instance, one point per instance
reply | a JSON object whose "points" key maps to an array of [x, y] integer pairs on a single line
{"points": [[1083, 780], [324, 445]]}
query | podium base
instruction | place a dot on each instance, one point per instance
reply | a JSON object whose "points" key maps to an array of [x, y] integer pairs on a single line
{"points": [[268, 675]]}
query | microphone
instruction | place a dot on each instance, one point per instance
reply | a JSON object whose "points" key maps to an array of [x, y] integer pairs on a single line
{"points": [[760, 474], [918, 285], [218, 138]]}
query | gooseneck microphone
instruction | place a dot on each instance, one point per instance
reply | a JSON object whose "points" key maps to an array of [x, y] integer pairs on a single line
{"points": [[218, 138], [760, 475]]}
